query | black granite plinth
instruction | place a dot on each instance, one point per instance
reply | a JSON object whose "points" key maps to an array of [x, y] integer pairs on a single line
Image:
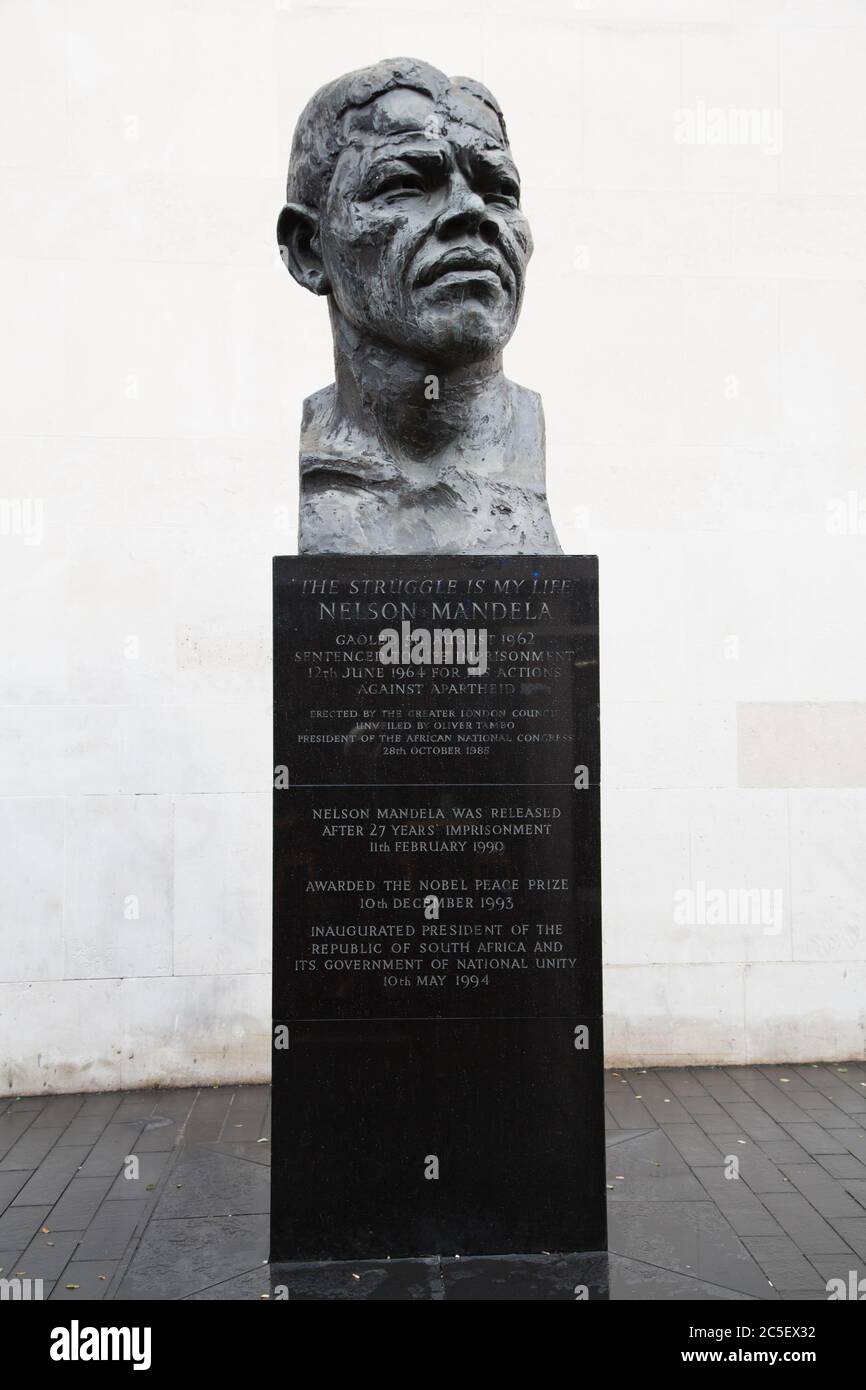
{"points": [[437, 929], [580, 1278]]}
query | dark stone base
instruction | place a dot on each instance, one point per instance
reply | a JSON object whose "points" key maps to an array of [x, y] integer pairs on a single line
{"points": [[474, 1278]]}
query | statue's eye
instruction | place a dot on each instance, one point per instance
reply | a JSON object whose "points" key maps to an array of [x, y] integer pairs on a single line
{"points": [[400, 184], [504, 191]]}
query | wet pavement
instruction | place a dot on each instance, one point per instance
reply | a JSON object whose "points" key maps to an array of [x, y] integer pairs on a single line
{"points": [[729, 1183]]}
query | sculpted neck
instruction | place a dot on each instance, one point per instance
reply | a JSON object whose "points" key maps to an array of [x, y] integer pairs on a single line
{"points": [[412, 409]]}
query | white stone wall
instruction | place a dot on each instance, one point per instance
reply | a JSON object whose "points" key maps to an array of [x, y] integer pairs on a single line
{"points": [[696, 322]]}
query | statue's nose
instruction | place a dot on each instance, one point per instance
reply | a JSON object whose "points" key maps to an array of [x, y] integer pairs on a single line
{"points": [[466, 212]]}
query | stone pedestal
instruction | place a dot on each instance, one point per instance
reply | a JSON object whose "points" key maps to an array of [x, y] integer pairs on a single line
{"points": [[437, 1080]]}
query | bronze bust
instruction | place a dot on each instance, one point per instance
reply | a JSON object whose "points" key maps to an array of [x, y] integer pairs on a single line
{"points": [[403, 208]]}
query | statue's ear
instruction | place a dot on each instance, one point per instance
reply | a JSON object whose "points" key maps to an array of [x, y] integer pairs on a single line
{"points": [[298, 239]]}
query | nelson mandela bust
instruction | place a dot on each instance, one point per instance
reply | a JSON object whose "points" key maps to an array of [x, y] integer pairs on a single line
{"points": [[403, 210]]}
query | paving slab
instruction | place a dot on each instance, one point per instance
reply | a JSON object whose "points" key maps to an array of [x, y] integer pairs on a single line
{"points": [[744, 1211], [649, 1168], [691, 1238], [799, 1219], [79, 1204], [203, 1185], [825, 1194], [83, 1281], [179, 1257], [784, 1265]]}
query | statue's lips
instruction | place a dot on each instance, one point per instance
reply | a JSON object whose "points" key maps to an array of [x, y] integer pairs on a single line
{"points": [[463, 266]]}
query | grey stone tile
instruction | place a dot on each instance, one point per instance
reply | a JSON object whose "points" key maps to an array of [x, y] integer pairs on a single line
{"points": [[691, 1238], [259, 1150], [632, 1281], [18, 1226], [704, 1105], [825, 1194], [29, 1151], [47, 1255], [854, 1082], [783, 1151], [804, 1296], [176, 1258], [106, 1158], [651, 1170], [813, 1074], [255, 1285], [831, 1117], [786, 1268], [165, 1126], [807, 1101], [692, 1144], [842, 1089], [746, 1214], [853, 1232], [840, 1267], [58, 1111], [755, 1167], [135, 1105], [89, 1281], [78, 1205], [617, 1136], [208, 1115], [112, 1228], [753, 1121], [852, 1102], [101, 1103], [215, 1184], [843, 1166], [715, 1124], [84, 1129], [661, 1104], [780, 1107], [12, 1125], [151, 1167], [850, 1141], [11, 1184], [856, 1188], [51, 1177], [682, 1083], [814, 1139], [628, 1112], [809, 1231], [245, 1119], [723, 1088]]}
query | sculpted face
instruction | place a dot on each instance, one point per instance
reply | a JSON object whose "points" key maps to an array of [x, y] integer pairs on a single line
{"points": [[422, 238]]}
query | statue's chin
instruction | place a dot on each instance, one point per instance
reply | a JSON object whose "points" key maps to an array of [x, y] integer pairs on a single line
{"points": [[463, 333]]}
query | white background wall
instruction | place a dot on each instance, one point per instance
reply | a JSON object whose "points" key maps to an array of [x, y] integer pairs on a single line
{"points": [[696, 322]]}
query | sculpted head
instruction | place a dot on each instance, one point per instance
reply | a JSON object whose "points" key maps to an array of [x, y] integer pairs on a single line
{"points": [[404, 207]]}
